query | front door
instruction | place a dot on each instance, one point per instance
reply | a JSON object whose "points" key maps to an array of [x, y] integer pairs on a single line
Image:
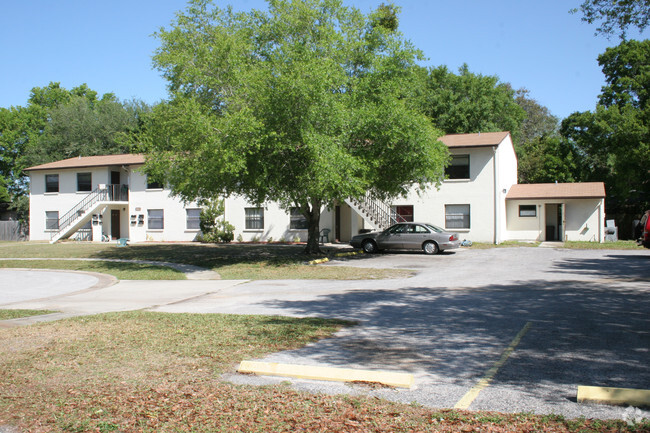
{"points": [[337, 223], [115, 177], [115, 224]]}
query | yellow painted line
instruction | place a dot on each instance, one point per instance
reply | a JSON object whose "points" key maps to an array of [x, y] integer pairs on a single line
{"points": [[401, 380], [619, 396], [484, 382]]}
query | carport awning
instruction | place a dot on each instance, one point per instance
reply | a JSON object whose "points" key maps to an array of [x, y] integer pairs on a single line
{"points": [[533, 191]]}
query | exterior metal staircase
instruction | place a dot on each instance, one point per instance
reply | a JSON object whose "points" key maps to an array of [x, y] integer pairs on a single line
{"points": [[374, 211], [81, 213]]}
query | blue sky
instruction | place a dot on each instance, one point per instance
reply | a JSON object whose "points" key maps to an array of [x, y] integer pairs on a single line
{"points": [[108, 45]]}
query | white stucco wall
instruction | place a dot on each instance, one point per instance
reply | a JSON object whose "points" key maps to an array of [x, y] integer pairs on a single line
{"points": [[141, 200], [583, 220], [62, 201], [477, 192]]}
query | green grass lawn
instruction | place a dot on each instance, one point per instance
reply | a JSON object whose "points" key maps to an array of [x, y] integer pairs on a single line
{"points": [[123, 271], [160, 372], [576, 245], [231, 261], [16, 314]]}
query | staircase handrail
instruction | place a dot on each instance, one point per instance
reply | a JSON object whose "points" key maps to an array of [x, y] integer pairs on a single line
{"points": [[381, 212], [101, 193]]}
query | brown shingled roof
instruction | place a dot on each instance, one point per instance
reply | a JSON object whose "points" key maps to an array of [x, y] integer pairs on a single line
{"points": [[556, 190], [480, 139], [92, 161]]}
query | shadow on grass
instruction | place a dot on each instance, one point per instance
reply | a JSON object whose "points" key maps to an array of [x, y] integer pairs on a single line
{"points": [[216, 255]]}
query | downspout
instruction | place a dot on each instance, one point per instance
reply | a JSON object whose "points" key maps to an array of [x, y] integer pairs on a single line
{"points": [[495, 194]]}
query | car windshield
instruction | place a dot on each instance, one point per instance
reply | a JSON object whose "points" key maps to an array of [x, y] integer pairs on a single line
{"points": [[435, 228]]}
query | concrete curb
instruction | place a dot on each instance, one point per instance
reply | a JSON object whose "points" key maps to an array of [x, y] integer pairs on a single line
{"points": [[401, 380], [615, 396], [325, 260]]}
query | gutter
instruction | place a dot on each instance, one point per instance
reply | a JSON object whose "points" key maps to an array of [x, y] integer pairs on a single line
{"points": [[495, 194]]}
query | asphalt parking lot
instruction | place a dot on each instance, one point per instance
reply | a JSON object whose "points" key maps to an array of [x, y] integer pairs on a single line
{"points": [[581, 317]]}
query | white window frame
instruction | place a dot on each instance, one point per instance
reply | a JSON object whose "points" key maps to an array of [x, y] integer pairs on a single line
{"points": [[153, 218], [57, 183], [297, 220], [456, 218], [153, 185], [457, 159], [530, 212], [90, 186], [193, 219], [254, 218], [51, 220]]}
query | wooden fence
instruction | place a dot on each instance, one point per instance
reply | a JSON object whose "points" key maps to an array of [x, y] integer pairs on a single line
{"points": [[12, 231]]}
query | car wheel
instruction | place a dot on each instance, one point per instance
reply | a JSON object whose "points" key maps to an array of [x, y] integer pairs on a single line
{"points": [[369, 247], [430, 248]]}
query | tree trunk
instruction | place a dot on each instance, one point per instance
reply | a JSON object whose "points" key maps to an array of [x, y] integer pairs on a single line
{"points": [[313, 232]]}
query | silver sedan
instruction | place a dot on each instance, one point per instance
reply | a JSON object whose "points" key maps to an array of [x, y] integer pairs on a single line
{"points": [[427, 237]]}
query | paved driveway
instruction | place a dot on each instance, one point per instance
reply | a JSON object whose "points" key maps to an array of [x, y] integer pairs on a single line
{"points": [[585, 312], [582, 317]]}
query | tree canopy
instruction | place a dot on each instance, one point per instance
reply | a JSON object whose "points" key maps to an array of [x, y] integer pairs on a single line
{"points": [[467, 102], [304, 104], [614, 139], [615, 17], [57, 123]]}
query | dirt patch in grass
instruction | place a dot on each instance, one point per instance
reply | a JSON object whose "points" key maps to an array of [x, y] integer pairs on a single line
{"points": [[156, 372]]}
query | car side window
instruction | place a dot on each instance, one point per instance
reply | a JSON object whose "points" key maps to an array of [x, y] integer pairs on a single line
{"points": [[400, 228], [419, 229]]}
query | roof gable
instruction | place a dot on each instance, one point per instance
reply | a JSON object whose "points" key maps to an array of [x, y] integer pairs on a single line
{"points": [[92, 161]]}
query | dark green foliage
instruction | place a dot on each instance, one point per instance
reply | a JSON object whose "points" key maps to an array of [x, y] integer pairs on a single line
{"points": [[213, 228], [305, 104], [467, 102], [614, 139], [615, 17]]}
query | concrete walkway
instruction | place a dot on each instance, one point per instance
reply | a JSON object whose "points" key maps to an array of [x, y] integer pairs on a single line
{"points": [[72, 293], [191, 272]]}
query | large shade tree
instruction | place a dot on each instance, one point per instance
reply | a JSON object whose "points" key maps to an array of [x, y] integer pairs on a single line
{"points": [[614, 139], [303, 104]]}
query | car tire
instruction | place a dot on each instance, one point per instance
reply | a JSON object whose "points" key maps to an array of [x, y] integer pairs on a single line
{"points": [[430, 248], [369, 247]]}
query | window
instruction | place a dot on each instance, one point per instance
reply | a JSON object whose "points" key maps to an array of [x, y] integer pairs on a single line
{"points": [[156, 219], [84, 182], [418, 229], [297, 220], [52, 220], [193, 219], [402, 213], [458, 168], [51, 183], [527, 210], [153, 184], [457, 216], [254, 218]]}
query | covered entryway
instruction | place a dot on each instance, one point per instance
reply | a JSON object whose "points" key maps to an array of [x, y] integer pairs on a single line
{"points": [[554, 222], [556, 212], [115, 224]]}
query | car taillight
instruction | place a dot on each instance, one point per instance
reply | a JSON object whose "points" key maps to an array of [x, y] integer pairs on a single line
{"points": [[453, 237]]}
